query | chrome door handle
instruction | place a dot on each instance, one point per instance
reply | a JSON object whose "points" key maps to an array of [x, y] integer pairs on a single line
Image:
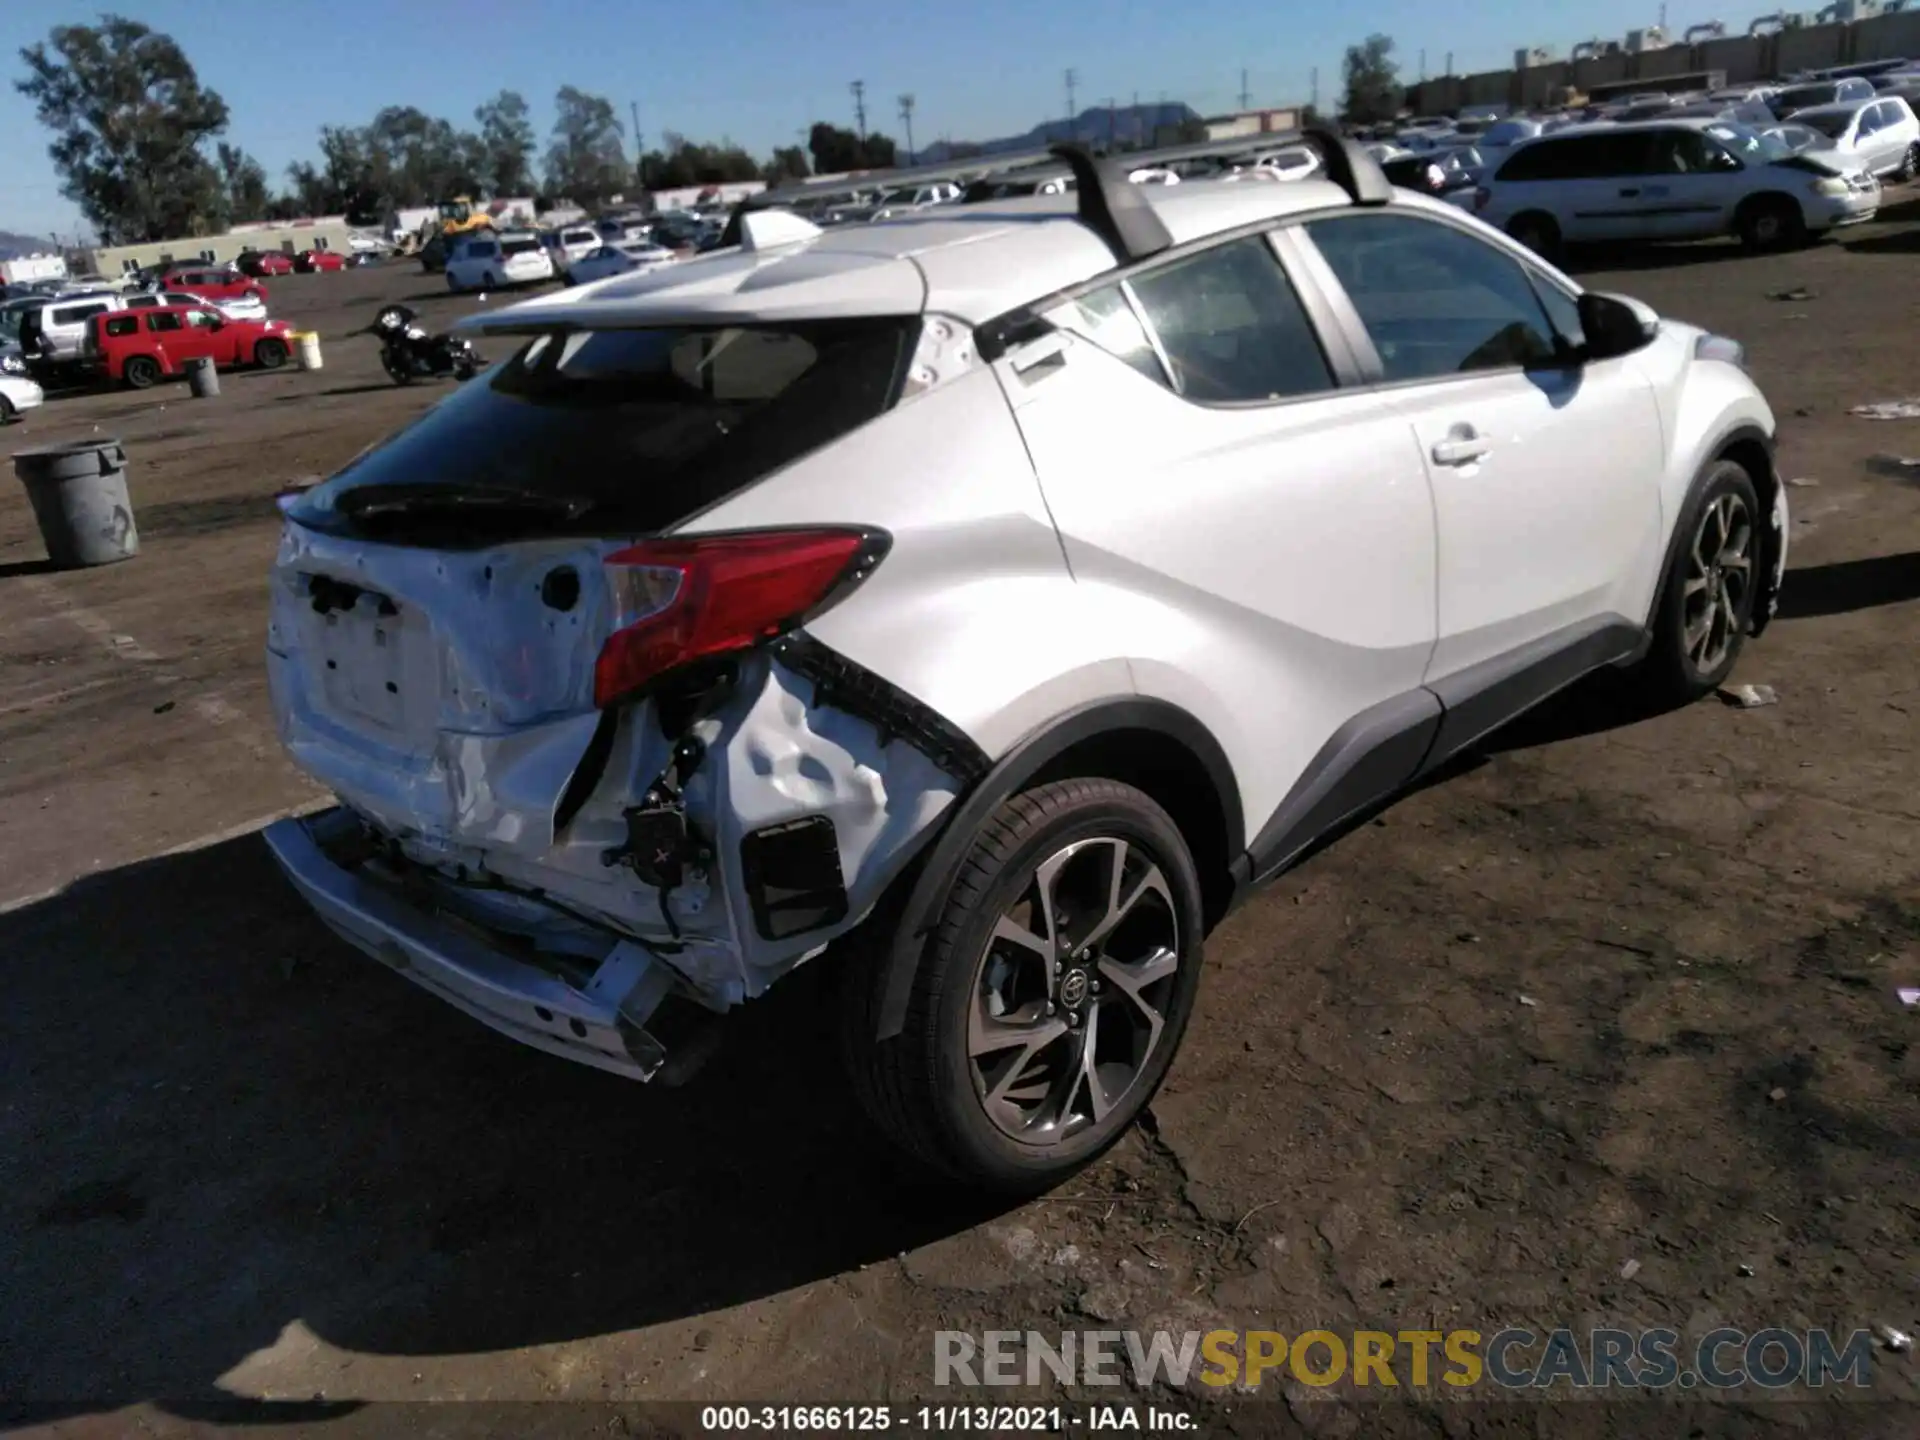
{"points": [[1463, 451]]}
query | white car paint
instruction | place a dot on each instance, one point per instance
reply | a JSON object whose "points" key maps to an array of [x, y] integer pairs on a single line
{"points": [[244, 307], [1882, 134], [488, 261], [1673, 204], [619, 258], [573, 243], [20, 394], [1211, 490]]}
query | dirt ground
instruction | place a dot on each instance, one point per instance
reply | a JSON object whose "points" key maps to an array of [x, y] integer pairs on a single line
{"points": [[1619, 990]]}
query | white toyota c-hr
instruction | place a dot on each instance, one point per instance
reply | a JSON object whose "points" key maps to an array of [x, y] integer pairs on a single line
{"points": [[1004, 594]]}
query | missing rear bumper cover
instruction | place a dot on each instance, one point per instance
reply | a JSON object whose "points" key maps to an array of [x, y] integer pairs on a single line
{"points": [[840, 683]]}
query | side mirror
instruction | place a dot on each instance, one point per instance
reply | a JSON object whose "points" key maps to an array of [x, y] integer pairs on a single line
{"points": [[1615, 325]]}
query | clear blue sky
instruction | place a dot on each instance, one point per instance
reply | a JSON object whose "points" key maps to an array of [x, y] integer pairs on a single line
{"points": [[758, 71]]}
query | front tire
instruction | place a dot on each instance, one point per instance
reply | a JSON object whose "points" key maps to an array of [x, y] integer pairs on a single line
{"points": [[1538, 232], [1051, 996], [1772, 223], [270, 354], [398, 370], [1909, 164], [1707, 595], [7, 413], [142, 372]]}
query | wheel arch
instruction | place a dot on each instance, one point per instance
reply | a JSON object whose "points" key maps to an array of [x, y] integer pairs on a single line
{"points": [[1752, 448], [1153, 745]]}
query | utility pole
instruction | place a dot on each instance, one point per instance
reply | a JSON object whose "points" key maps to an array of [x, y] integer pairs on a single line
{"points": [[1423, 64], [639, 150], [1314, 103], [1110, 125], [906, 119], [1449, 64], [859, 88], [1246, 101], [1073, 79]]}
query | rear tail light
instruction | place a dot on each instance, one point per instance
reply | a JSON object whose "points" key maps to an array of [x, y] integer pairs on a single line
{"points": [[685, 599], [1481, 195]]}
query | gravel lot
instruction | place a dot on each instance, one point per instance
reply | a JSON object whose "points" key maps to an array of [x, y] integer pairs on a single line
{"points": [[1620, 989]]}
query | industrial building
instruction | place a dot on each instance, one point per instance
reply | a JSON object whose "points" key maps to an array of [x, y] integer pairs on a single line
{"points": [[329, 232]]}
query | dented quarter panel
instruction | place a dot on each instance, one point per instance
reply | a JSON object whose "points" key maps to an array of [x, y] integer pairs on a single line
{"points": [[975, 565]]}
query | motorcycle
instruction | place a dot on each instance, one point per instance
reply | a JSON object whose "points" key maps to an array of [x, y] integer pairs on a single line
{"points": [[409, 353]]}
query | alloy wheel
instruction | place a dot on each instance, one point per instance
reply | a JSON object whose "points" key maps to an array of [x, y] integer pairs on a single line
{"points": [[1719, 583], [1069, 998]]}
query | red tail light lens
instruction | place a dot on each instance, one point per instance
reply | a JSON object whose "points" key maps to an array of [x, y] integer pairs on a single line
{"points": [[680, 600]]}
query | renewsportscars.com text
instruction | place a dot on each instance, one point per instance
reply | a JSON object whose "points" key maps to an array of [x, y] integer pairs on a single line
{"points": [[1512, 1359]]}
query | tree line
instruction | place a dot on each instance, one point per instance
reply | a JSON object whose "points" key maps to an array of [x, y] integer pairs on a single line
{"points": [[138, 143]]}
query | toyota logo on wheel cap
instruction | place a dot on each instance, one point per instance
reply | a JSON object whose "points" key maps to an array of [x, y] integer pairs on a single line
{"points": [[1073, 987]]}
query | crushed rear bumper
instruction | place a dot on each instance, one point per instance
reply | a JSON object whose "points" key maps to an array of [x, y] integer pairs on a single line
{"points": [[601, 1023]]}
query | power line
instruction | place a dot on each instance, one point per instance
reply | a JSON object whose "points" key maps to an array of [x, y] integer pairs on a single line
{"points": [[906, 119], [859, 88]]}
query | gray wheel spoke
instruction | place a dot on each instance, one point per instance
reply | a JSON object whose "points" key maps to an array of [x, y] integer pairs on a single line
{"points": [[1014, 933], [1058, 1032], [1099, 1103], [1028, 1041]]}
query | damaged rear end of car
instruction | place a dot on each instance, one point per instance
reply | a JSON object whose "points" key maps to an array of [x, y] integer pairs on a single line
{"points": [[597, 783]]}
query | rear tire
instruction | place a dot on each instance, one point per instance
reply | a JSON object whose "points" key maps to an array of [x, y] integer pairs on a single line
{"points": [[1909, 164], [142, 372], [1538, 231], [270, 354], [1772, 222], [1039, 1026], [7, 413], [453, 283], [1707, 594]]}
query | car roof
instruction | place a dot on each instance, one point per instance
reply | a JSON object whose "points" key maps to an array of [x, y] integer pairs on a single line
{"points": [[973, 262], [1838, 108]]}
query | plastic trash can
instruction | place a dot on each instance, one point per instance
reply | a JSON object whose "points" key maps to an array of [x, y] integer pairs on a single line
{"points": [[202, 379], [306, 350], [79, 497]]}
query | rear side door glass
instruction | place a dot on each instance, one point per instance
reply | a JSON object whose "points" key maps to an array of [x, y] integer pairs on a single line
{"points": [[1435, 301], [1231, 327]]}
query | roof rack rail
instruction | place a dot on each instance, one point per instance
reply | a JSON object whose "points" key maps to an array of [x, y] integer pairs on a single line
{"points": [[1120, 213], [1113, 207]]}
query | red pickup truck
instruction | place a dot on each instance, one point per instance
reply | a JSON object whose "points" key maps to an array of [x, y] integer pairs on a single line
{"points": [[141, 347]]}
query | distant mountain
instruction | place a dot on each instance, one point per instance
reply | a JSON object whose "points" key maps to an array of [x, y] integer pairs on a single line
{"points": [[13, 245], [1132, 125]]}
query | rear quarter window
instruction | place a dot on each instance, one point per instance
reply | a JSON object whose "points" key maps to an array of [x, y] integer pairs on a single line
{"points": [[74, 314], [123, 325], [640, 429]]}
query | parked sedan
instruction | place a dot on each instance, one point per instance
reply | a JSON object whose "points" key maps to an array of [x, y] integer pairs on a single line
{"points": [[309, 262], [621, 258], [218, 283], [1883, 133], [240, 307], [140, 348]]}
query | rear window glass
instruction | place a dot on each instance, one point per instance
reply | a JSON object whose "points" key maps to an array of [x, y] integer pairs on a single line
{"points": [[518, 247], [578, 237], [123, 325], [615, 431], [74, 314]]}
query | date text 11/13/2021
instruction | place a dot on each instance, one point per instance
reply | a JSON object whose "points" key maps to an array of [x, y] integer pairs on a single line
{"points": [[941, 1419]]}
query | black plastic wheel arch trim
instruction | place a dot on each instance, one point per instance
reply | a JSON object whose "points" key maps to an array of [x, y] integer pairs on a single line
{"points": [[840, 683], [1019, 765], [1766, 487]]}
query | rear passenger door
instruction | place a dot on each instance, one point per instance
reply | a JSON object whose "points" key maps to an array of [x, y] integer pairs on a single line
{"points": [[1545, 474], [1253, 519], [1692, 187]]}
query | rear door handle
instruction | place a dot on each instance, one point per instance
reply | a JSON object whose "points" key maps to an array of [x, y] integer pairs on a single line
{"points": [[1460, 449]]}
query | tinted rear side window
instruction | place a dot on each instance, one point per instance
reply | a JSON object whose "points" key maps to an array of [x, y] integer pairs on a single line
{"points": [[617, 431], [519, 247]]}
